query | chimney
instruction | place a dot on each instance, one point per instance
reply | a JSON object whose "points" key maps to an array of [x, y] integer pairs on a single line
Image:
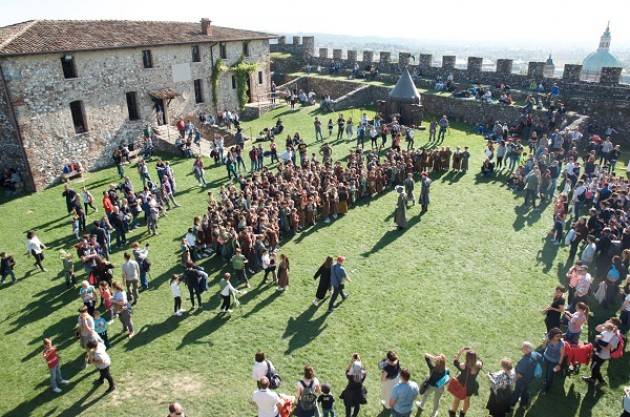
{"points": [[206, 28]]}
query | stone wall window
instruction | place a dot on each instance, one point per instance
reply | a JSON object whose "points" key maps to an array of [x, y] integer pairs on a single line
{"points": [[245, 48], [78, 116], [198, 91], [233, 82], [260, 77], [68, 66], [196, 57], [147, 58], [222, 50], [132, 106]]}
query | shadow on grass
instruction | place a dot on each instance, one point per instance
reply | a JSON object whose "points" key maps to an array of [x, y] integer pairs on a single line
{"points": [[28, 407], [303, 329], [205, 329], [392, 235], [149, 332]]}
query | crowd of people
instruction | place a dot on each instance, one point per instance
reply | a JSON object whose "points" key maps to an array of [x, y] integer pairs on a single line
{"points": [[248, 218]]}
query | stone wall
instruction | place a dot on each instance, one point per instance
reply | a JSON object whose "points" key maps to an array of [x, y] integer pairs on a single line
{"points": [[322, 86], [11, 151], [464, 110], [41, 96], [607, 102]]}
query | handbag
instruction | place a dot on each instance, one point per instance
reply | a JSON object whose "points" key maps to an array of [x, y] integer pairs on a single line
{"points": [[456, 389], [274, 378], [424, 387], [363, 395]]}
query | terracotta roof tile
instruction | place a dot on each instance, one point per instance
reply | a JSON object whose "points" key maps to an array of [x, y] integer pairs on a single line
{"points": [[47, 36]]}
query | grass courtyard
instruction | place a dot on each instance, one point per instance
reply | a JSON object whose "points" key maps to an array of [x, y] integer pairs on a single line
{"points": [[475, 270]]}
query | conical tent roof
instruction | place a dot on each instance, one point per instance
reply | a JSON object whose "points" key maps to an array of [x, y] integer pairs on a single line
{"points": [[405, 90]]}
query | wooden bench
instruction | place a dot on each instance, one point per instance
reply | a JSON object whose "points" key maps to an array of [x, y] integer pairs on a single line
{"points": [[73, 173]]}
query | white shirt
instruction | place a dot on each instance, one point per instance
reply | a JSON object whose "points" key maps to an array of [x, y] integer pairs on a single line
{"points": [[627, 302], [578, 191], [228, 289], [191, 239], [175, 289], [101, 355], [266, 401], [34, 245], [260, 369], [266, 261]]}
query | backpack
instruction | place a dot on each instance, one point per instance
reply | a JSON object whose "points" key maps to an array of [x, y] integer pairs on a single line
{"points": [[273, 377], [308, 399], [617, 352]]}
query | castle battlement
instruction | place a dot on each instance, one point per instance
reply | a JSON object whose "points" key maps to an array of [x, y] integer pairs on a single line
{"points": [[423, 64]]}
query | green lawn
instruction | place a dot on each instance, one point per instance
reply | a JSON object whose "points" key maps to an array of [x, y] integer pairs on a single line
{"points": [[475, 270]]}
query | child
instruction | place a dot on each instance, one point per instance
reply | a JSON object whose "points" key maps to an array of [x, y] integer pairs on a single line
{"points": [[177, 295], [52, 360], [76, 226], [331, 125], [7, 263], [269, 266], [100, 327], [106, 299], [68, 267], [327, 401]]}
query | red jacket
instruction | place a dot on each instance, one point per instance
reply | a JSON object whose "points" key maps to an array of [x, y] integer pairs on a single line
{"points": [[578, 354]]}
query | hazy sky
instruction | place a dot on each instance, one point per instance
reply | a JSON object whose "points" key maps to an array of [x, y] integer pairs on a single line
{"points": [[542, 23]]}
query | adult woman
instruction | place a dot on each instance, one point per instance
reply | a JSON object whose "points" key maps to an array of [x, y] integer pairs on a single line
{"points": [[307, 390], [354, 394], [555, 311], [390, 371], [323, 273], [438, 377], [501, 387], [85, 328], [283, 273], [467, 378], [613, 278], [36, 248], [122, 308], [576, 321], [226, 291], [553, 357]]}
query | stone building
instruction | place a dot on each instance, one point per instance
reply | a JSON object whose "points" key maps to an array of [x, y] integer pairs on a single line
{"points": [[595, 61], [72, 91]]}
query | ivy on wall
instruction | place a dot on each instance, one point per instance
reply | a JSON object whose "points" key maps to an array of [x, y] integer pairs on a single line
{"points": [[242, 70], [217, 69]]}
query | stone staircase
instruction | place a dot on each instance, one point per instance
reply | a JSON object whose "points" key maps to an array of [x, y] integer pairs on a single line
{"points": [[166, 135]]}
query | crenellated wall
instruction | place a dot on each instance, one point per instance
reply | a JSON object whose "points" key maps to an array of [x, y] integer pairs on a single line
{"points": [[607, 101]]}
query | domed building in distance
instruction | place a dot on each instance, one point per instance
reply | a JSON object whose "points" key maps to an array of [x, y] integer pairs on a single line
{"points": [[595, 61]]}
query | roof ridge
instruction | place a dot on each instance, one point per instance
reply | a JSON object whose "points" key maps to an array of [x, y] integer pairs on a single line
{"points": [[29, 24]]}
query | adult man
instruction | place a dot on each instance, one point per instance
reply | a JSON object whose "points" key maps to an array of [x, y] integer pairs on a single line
{"points": [[341, 122], [239, 139], [425, 188], [131, 276], [403, 395], [72, 198], [443, 123], [98, 356], [525, 372], [326, 151], [102, 237], [532, 182], [338, 278], [239, 263], [176, 410], [318, 129], [117, 220], [267, 401], [605, 342]]}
